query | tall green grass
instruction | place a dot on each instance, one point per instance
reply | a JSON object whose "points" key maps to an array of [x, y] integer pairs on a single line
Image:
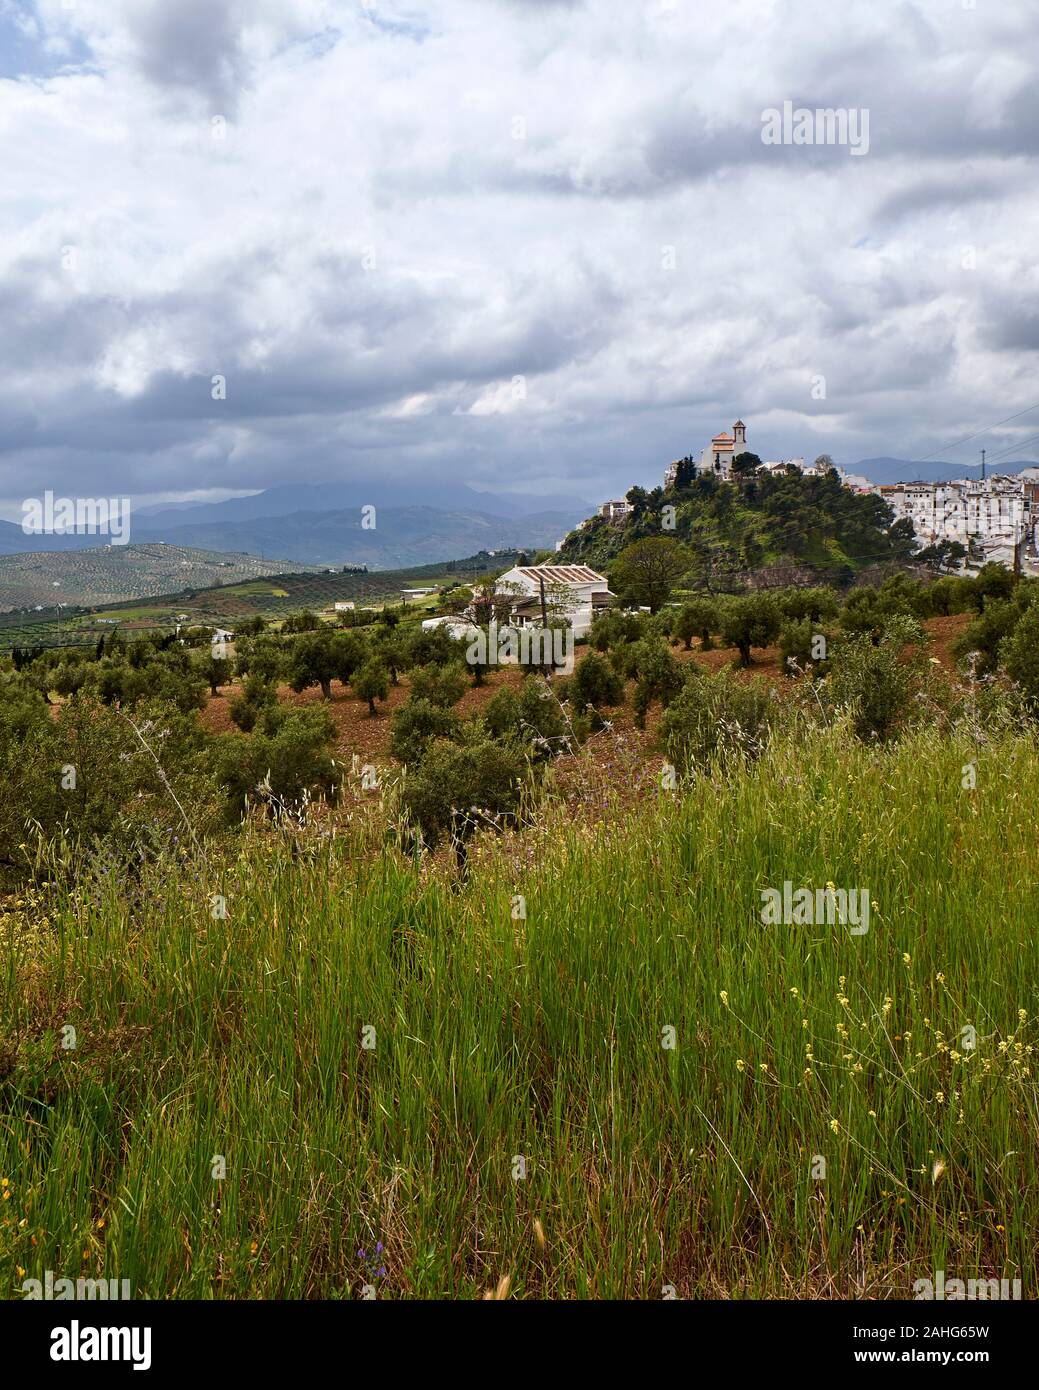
{"points": [[499, 1038]]}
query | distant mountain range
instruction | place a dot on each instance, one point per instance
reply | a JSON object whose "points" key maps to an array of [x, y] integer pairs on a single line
{"points": [[414, 523], [383, 526], [889, 470]]}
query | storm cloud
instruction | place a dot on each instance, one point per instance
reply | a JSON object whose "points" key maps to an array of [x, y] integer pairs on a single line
{"points": [[538, 246]]}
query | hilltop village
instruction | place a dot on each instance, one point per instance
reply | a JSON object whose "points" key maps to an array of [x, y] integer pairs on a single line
{"points": [[994, 518]]}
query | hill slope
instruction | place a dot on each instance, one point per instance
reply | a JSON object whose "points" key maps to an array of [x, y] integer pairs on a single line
{"points": [[112, 574], [734, 531]]}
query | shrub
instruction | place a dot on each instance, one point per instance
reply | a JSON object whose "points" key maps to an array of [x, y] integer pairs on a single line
{"points": [[614, 628], [799, 646], [288, 759], [984, 637], [415, 725], [302, 622], [717, 716], [1019, 653], [876, 681], [595, 684], [440, 685], [318, 658], [534, 717], [433, 647], [88, 776], [256, 696], [458, 788], [814, 604], [658, 676]]}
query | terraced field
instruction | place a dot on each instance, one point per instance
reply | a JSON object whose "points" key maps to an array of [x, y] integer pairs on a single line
{"points": [[272, 596]]}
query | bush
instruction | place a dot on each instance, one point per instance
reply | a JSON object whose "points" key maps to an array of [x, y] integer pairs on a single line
{"points": [[414, 726], [534, 717], [876, 681], [658, 676], [255, 697], [799, 646], [318, 658], [717, 716], [433, 647], [984, 637], [87, 775], [289, 759], [595, 684], [1019, 653], [814, 604], [458, 788], [302, 622], [371, 683], [440, 685], [614, 628]]}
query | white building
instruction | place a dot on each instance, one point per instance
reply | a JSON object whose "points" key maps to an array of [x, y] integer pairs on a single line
{"points": [[572, 591], [615, 511], [717, 457], [994, 511]]}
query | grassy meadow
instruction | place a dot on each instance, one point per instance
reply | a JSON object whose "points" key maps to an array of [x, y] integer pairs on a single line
{"points": [[516, 1112]]}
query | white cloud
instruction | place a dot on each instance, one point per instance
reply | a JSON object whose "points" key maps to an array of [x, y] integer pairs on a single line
{"points": [[414, 204]]}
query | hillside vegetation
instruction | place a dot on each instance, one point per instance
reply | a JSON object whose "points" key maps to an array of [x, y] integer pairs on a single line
{"points": [[506, 1004], [733, 530]]}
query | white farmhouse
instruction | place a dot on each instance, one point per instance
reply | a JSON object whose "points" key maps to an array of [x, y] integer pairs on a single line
{"points": [[576, 590]]}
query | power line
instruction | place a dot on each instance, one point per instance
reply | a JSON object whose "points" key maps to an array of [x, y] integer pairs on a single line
{"points": [[927, 458]]}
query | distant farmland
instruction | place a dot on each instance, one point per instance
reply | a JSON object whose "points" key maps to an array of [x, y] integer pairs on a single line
{"points": [[272, 596], [117, 573]]}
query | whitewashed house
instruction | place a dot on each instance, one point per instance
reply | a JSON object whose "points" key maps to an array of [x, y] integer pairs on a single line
{"points": [[574, 591]]}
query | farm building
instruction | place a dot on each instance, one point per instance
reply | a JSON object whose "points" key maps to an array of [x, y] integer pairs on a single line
{"points": [[578, 591]]}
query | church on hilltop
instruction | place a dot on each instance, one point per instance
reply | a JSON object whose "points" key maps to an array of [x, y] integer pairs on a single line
{"points": [[716, 459]]}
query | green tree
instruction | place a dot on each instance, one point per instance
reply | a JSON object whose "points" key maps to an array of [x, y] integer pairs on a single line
{"points": [[216, 671], [441, 685], [744, 465], [371, 682], [595, 684], [313, 660], [1019, 653], [750, 621], [658, 676], [416, 724], [698, 618], [717, 717], [457, 789], [646, 571]]}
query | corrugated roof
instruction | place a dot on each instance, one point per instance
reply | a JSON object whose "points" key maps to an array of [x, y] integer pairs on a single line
{"points": [[563, 574]]}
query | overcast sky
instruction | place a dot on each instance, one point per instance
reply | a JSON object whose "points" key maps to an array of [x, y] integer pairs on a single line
{"points": [[527, 244]]}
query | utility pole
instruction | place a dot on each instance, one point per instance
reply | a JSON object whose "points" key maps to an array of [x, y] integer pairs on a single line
{"points": [[544, 626], [983, 465]]}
